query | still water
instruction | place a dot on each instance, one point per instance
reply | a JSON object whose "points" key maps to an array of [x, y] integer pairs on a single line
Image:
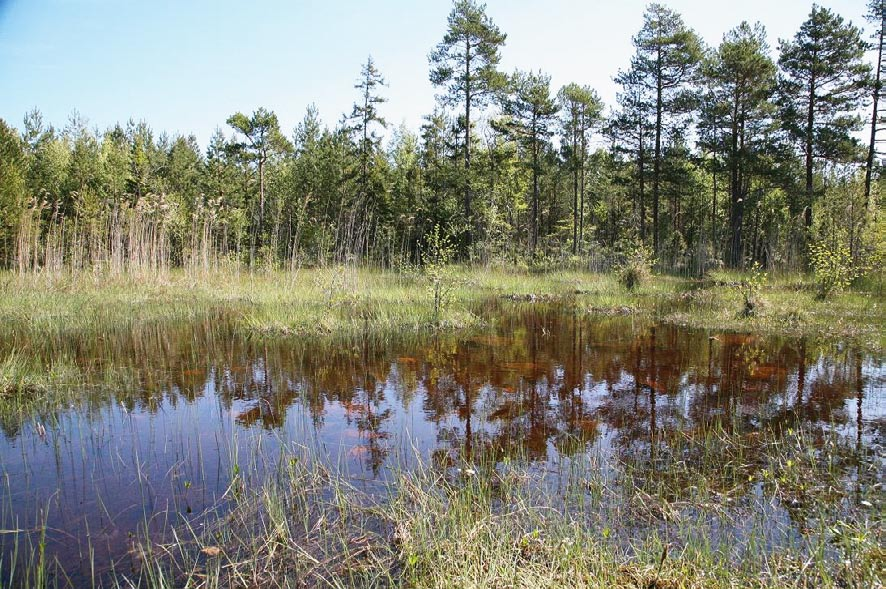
{"points": [[163, 418]]}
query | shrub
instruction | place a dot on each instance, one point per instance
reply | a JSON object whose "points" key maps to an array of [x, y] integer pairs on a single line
{"points": [[832, 268], [437, 252], [750, 290], [635, 268]]}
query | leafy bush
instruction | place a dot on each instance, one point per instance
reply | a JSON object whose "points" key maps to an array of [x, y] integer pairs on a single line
{"points": [[635, 268], [437, 252], [832, 268], [750, 290]]}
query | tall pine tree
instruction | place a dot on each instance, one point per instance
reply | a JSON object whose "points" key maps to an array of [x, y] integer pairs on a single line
{"points": [[666, 59], [465, 63], [824, 81]]}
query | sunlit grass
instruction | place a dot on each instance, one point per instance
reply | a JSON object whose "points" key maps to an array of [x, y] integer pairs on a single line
{"points": [[698, 522], [483, 522], [346, 300]]}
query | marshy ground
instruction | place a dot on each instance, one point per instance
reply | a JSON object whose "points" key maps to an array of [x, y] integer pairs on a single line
{"points": [[332, 428]]}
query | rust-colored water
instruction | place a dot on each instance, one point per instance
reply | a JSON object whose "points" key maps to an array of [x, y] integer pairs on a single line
{"points": [[170, 412]]}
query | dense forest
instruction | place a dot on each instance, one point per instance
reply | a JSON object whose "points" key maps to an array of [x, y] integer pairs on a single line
{"points": [[713, 156]]}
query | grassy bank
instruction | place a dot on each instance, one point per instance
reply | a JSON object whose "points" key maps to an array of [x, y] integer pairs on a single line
{"points": [[342, 301], [42, 315]]}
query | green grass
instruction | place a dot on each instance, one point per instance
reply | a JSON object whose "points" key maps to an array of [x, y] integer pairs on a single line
{"points": [[510, 524], [787, 307], [348, 300], [485, 523], [44, 317], [41, 315]]}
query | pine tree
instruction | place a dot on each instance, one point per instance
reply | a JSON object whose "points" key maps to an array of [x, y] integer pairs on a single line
{"points": [[742, 80], [631, 129], [877, 16], [582, 110], [824, 80], [465, 63], [262, 140], [365, 114], [530, 112], [667, 57]]}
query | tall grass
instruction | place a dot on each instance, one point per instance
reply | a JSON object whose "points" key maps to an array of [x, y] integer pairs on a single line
{"points": [[582, 522], [713, 507]]}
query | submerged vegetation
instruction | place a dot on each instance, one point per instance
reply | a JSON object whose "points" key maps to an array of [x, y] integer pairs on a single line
{"points": [[715, 507], [493, 524]]}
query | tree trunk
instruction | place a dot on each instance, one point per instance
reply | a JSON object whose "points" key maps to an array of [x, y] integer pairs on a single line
{"points": [[869, 168], [534, 194], [365, 148], [574, 183], [468, 216], [737, 209], [641, 172], [656, 171], [810, 126], [261, 192], [583, 155], [714, 202]]}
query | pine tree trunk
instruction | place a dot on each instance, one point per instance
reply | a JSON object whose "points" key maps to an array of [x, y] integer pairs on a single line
{"points": [[737, 212], [467, 198], [869, 168], [810, 127], [534, 196], [656, 171], [574, 185]]}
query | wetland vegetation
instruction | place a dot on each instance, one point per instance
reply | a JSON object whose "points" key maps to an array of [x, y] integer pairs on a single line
{"points": [[326, 428], [539, 342]]}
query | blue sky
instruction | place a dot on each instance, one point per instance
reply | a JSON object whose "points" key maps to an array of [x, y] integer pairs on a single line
{"points": [[184, 66]]}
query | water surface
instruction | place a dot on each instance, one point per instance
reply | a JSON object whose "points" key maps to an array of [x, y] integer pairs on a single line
{"points": [[165, 417]]}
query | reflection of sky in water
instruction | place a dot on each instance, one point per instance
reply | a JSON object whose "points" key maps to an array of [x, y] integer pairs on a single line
{"points": [[541, 384]]}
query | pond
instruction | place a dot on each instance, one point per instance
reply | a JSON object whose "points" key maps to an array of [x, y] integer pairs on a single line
{"points": [[162, 419]]}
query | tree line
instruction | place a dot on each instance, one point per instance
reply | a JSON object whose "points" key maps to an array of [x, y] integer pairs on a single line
{"points": [[711, 156]]}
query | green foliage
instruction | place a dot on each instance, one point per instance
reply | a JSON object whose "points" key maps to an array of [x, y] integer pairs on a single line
{"points": [[724, 190], [832, 268], [465, 64], [529, 112], [667, 57], [582, 110], [738, 117], [823, 84], [635, 268], [12, 185], [466, 61], [437, 252], [751, 287]]}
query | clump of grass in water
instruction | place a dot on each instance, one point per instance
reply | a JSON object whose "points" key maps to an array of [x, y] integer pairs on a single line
{"points": [[492, 523], [24, 378], [791, 309], [306, 526]]}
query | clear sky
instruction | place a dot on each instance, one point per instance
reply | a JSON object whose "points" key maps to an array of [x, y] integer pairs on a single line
{"points": [[184, 66]]}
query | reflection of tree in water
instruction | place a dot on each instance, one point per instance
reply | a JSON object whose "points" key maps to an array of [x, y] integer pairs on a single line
{"points": [[543, 379], [371, 412]]}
